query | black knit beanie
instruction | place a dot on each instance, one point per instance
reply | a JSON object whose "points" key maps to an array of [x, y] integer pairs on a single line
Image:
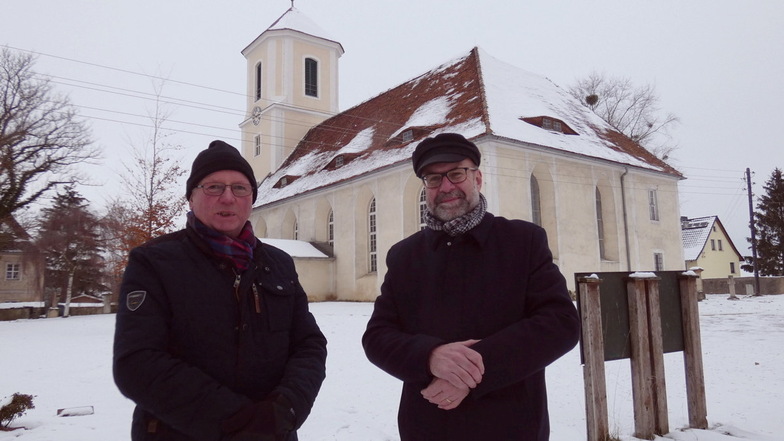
{"points": [[219, 156]]}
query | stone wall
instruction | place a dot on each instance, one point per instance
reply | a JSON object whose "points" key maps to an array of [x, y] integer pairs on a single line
{"points": [[744, 285]]}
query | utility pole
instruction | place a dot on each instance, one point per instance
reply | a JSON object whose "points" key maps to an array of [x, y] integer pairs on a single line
{"points": [[753, 234]]}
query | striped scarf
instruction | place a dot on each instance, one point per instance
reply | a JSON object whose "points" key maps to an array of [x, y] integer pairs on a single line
{"points": [[238, 251], [461, 224]]}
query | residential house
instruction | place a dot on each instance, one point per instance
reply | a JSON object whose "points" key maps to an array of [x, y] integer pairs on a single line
{"points": [[344, 179], [707, 245], [21, 279]]}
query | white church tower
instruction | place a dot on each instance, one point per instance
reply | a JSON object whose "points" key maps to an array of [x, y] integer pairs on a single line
{"points": [[292, 85]]}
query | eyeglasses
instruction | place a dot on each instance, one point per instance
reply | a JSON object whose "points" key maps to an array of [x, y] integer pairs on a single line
{"points": [[455, 176], [217, 189]]}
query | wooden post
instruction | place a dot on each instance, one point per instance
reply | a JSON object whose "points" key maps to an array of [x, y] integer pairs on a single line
{"points": [[658, 384], [642, 393], [692, 353], [597, 421]]}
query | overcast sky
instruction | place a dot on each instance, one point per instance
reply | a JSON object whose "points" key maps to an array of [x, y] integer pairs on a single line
{"points": [[717, 65]]}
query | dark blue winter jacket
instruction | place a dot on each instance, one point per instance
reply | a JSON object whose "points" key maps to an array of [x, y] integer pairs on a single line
{"points": [[194, 342], [496, 283]]}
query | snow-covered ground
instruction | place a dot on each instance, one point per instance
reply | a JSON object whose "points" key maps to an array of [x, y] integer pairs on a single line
{"points": [[66, 363]]}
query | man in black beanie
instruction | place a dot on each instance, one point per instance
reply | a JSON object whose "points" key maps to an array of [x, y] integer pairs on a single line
{"points": [[214, 340]]}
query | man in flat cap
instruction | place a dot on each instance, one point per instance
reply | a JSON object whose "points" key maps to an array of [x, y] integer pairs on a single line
{"points": [[472, 309], [214, 340]]}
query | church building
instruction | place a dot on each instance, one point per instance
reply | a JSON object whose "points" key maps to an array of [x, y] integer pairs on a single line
{"points": [[343, 181]]}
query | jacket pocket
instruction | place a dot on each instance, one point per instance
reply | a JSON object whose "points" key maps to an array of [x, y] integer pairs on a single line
{"points": [[279, 302]]}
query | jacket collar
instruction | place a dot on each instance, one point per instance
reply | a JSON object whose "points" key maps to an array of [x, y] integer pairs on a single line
{"points": [[479, 234]]}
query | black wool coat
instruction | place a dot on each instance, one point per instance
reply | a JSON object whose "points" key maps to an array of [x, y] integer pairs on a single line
{"points": [[194, 342], [496, 283]]}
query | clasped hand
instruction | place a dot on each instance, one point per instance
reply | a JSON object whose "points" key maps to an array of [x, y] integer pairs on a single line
{"points": [[457, 369]]}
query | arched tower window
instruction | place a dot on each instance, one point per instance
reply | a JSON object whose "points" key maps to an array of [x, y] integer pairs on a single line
{"points": [[257, 82], [311, 77]]}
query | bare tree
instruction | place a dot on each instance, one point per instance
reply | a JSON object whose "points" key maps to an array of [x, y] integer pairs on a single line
{"points": [[633, 111], [153, 177], [41, 137], [156, 197]]}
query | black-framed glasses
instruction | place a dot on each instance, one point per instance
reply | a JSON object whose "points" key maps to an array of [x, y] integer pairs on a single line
{"points": [[217, 189], [455, 176]]}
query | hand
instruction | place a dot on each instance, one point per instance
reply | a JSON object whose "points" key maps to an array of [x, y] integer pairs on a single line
{"points": [[458, 364], [444, 394], [268, 420]]}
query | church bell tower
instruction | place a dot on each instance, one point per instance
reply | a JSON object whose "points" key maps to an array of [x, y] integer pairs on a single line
{"points": [[292, 85]]}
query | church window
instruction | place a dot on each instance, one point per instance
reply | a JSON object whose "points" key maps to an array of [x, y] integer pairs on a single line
{"points": [[257, 145], [372, 246], [422, 209], [658, 261], [600, 223], [331, 229], [653, 205], [311, 77], [536, 203]]}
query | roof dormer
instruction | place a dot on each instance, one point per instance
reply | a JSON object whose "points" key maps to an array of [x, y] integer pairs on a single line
{"points": [[551, 124]]}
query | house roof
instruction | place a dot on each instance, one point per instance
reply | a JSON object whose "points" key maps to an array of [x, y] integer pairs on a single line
{"points": [[695, 233], [476, 95]]}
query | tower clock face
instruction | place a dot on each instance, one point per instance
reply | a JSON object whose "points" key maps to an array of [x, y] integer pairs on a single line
{"points": [[256, 114]]}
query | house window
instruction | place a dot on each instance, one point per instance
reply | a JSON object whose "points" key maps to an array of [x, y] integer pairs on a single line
{"points": [[373, 265], [653, 205], [12, 271], [547, 124], [536, 204], [658, 261], [311, 77], [557, 126], [732, 267], [331, 229], [422, 204], [257, 145], [408, 135], [339, 161], [721, 248], [257, 94], [713, 244], [600, 223]]}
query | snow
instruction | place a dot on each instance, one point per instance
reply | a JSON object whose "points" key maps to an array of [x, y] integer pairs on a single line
{"points": [[295, 248], [66, 363], [295, 20]]}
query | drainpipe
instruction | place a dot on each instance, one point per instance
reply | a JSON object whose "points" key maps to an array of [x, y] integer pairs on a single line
{"points": [[625, 220]]}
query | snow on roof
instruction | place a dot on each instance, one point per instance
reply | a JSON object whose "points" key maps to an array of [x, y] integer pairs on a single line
{"points": [[694, 233], [474, 95], [295, 248], [295, 20]]}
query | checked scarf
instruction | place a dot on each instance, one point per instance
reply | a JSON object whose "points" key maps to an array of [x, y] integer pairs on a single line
{"points": [[238, 251], [461, 224]]}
